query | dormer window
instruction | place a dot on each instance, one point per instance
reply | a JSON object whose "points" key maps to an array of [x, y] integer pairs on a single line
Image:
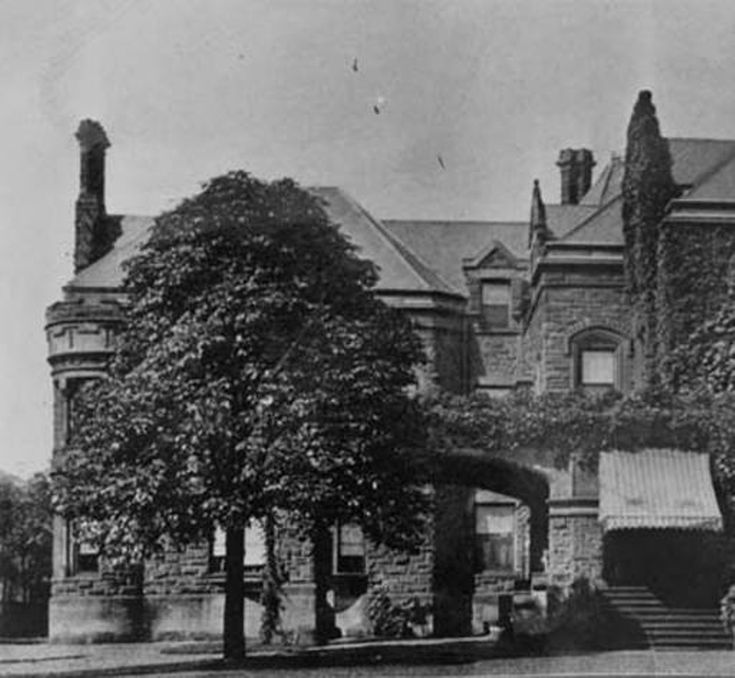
{"points": [[495, 302]]}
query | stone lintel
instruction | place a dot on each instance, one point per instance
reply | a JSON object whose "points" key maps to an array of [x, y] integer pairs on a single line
{"points": [[573, 506]]}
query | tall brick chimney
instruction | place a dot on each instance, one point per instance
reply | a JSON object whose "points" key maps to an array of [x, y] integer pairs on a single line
{"points": [[90, 206], [576, 174]]}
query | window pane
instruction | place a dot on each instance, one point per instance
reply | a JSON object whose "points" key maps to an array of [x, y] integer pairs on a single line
{"points": [[598, 367], [350, 549], [218, 543], [496, 304], [495, 294], [494, 519], [496, 315], [351, 541], [494, 552], [254, 545], [494, 537]]}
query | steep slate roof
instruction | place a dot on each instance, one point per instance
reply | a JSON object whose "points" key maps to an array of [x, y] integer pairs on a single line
{"points": [[426, 256], [560, 219], [717, 186], [604, 226], [400, 269], [607, 185], [693, 159], [706, 167], [443, 244], [107, 272]]}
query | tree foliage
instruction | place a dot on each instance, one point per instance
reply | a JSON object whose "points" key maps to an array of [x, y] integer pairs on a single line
{"points": [[648, 187], [257, 375], [25, 539]]}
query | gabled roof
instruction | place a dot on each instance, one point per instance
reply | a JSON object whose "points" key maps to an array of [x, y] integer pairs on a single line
{"points": [[693, 160], [706, 167], [443, 245], [399, 268], [492, 255]]}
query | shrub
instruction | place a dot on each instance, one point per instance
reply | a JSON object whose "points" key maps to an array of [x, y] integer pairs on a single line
{"points": [[583, 621], [727, 610], [394, 621]]}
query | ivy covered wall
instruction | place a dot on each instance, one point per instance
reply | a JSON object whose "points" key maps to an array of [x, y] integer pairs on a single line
{"points": [[693, 269]]}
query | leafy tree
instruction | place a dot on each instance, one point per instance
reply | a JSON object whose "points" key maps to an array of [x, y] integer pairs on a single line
{"points": [[648, 186], [258, 374], [25, 539]]}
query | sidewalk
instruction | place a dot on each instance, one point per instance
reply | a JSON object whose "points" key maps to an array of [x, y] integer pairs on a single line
{"points": [[120, 659]]}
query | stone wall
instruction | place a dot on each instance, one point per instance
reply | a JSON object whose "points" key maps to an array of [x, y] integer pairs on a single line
{"points": [[494, 358], [575, 542], [564, 304], [444, 341]]}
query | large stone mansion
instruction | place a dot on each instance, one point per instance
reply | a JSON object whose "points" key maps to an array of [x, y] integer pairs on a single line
{"points": [[499, 305]]}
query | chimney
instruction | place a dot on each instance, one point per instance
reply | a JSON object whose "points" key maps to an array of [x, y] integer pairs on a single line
{"points": [[90, 206], [576, 174]]}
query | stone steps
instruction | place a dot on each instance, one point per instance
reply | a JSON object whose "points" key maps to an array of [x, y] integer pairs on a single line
{"points": [[663, 627]]}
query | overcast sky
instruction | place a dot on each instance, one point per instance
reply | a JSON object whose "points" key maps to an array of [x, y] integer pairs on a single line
{"points": [[189, 89]]}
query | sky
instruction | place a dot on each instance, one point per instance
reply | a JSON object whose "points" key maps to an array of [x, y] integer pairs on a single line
{"points": [[189, 89]]}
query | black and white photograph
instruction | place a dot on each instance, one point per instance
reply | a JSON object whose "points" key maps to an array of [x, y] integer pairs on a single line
{"points": [[353, 338]]}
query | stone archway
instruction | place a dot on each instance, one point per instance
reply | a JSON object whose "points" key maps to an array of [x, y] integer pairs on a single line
{"points": [[456, 588]]}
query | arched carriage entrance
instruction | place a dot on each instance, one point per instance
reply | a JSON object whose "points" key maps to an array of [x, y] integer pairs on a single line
{"points": [[491, 533]]}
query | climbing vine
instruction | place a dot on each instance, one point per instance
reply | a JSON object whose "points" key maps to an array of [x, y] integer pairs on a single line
{"points": [[696, 319], [648, 187], [566, 423]]}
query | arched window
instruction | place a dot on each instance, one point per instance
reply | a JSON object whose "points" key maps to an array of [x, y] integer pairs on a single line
{"points": [[598, 360]]}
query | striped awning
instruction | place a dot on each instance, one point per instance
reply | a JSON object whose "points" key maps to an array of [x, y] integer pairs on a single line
{"points": [[657, 488]]}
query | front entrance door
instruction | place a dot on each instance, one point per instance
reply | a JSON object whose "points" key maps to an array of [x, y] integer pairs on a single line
{"points": [[682, 567]]}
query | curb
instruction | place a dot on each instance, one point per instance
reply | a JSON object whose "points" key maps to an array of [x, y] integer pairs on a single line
{"points": [[129, 670]]}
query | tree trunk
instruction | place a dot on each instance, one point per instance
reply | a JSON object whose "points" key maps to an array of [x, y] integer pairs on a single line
{"points": [[234, 634], [272, 592], [325, 620]]}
